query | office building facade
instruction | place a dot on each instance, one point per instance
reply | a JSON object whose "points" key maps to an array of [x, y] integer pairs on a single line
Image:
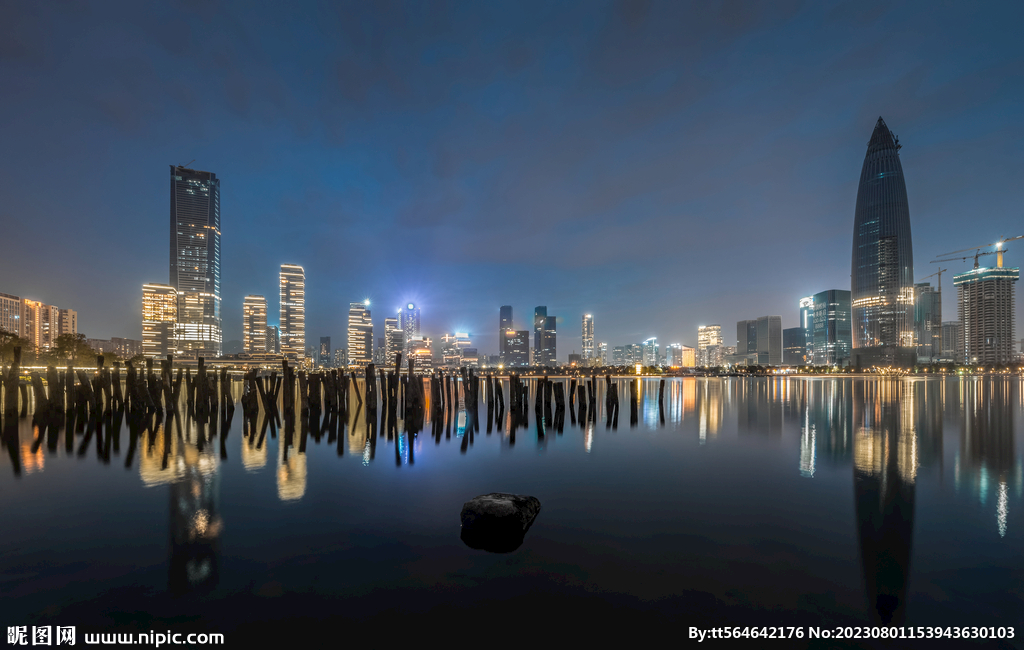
{"points": [[409, 321], [360, 334], [254, 324], [504, 325], [517, 348], [927, 322], [323, 358], [394, 341], [649, 353], [159, 318], [709, 346], [952, 346], [293, 312], [832, 333], [985, 304], [769, 340], [882, 273], [588, 338], [794, 346], [273, 339], [195, 259]]}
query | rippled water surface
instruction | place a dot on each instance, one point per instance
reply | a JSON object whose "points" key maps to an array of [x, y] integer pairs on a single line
{"points": [[739, 502]]}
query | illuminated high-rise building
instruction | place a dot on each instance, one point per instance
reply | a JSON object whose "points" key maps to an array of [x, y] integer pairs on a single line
{"points": [[709, 345], [39, 323], [195, 259], [952, 345], [273, 339], [394, 341], [769, 340], [421, 354], [746, 337], [807, 322], [293, 312], [409, 321], [985, 304], [882, 275], [649, 352], [254, 324], [602, 354], [548, 341], [588, 337], [323, 357], [504, 325], [159, 316], [832, 337], [517, 348], [540, 320], [360, 334], [927, 322]]}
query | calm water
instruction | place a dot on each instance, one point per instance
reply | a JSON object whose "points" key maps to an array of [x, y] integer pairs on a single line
{"points": [[752, 502]]}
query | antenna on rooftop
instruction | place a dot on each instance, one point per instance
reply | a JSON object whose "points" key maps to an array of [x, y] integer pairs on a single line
{"points": [[188, 163]]}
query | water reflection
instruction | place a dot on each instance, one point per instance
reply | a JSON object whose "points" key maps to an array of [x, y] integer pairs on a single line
{"points": [[884, 469], [889, 433]]}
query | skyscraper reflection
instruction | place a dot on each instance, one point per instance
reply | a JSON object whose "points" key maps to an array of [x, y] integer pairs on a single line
{"points": [[884, 471]]}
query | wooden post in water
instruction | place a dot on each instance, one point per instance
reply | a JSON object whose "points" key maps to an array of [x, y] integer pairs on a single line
{"points": [[55, 389], [11, 385], [371, 388], [115, 380]]}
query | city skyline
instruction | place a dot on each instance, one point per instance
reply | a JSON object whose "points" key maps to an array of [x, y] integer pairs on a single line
{"points": [[960, 139]]}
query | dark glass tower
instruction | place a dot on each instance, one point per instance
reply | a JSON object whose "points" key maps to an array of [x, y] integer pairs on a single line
{"points": [[504, 325], [195, 259], [882, 274]]}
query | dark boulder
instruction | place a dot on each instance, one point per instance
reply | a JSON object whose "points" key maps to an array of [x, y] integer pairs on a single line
{"points": [[498, 522]]}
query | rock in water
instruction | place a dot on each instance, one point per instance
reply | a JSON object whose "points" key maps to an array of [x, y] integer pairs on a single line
{"points": [[498, 522]]}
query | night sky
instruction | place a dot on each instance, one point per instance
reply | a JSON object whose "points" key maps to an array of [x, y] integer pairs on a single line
{"points": [[659, 165]]}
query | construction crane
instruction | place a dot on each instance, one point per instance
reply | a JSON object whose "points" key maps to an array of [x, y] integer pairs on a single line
{"points": [[938, 273], [998, 251], [966, 257]]}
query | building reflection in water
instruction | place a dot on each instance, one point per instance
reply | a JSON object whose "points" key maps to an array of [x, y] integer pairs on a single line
{"points": [[986, 458], [759, 406], [884, 473], [709, 407], [195, 525], [291, 471]]}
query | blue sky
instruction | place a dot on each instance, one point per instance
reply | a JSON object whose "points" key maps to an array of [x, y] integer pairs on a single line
{"points": [[659, 165]]}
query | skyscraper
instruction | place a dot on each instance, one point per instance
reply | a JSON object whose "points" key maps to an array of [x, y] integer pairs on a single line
{"points": [[602, 354], [807, 323], [504, 325], [548, 336], [832, 338], [394, 341], [324, 353], [709, 345], [195, 259], [409, 321], [588, 337], [927, 322], [540, 320], [360, 334], [274, 339], [517, 348], [952, 346], [159, 315], [649, 352], [794, 346], [769, 340], [254, 324], [293, 312], [985, 303], [882, 274], [746, 337]]}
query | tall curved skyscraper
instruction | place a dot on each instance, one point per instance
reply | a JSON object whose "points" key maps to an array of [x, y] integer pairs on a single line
{"points": [[882, 275]]}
